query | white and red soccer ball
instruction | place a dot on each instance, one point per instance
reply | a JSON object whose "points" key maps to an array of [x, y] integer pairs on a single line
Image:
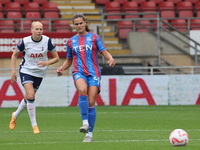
{"points": [[179, 137]]}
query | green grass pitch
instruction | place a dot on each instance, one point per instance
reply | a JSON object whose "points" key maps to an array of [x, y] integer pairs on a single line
{"points": [[116, 128]]}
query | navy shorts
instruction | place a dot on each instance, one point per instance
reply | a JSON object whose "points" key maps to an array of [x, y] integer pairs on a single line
{"points": [[90, 80], [26, 78]]}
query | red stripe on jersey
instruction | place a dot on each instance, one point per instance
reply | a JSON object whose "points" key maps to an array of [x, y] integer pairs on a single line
{"points": [[74, 56], [94, 56], [83, 54]]}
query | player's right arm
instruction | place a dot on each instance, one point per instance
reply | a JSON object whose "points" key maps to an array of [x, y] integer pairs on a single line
{"points": [[66, 65], [13, 65]]}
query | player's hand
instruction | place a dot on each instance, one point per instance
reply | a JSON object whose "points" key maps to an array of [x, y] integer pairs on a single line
{"points": [[41, 64], [111, 62], [60, 71], [13, 78]]}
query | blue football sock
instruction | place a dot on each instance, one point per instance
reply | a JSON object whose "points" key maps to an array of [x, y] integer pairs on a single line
{"points": [[91, 118], [83, 106]]}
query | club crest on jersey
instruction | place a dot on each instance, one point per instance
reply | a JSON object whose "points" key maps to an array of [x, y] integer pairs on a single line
{"points": [[36, 55], [82, 47], [89, 39]]}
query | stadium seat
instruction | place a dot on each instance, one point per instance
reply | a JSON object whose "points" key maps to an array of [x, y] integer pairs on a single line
{"points": [[192, 1], [185, 9], [22, 2], [50, 10], [131, 7], [62, 26], [113, 7], [149, 7], [46, 25], [40, 1], [197, 8], [123, 28], [13, 10], [167, 9], [145, 23], [174, 1], [32, 10], [161, 25], [7, 31], [101, 1], [120, 1], [195, 24], [4, 1], [7, 26], [179, 24], [138, 1], [26, 26], [156, 1]]}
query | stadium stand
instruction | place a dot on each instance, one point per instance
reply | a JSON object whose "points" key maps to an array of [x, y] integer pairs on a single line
{"points": [[13, 10], [62, 26], [131, 7], [192, 1], [174, 1], [103, 2], [120, 1], [32, 10], [24, 26], [40, 1], [138, 1], [167, 9], [161, 25], [1, 11], [149, 7], [197, 8], [185, 9], [50, 10], [115, 8], [4, 1], [22, 2], [156, 1], [145, 23]]}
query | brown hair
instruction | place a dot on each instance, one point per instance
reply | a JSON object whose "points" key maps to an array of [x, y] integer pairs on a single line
{"points": [[84, 18]]}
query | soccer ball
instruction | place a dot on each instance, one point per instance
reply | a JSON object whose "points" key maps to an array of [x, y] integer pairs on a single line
{"points": [[178, 137]]}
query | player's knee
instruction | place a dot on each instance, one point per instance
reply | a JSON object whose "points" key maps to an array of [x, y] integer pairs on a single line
{"points": [[30, 96], [91, 102], [82, 91]]}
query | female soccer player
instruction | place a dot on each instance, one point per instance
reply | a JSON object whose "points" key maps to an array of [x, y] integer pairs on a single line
{"points": [[83, 49], [32, 69]]}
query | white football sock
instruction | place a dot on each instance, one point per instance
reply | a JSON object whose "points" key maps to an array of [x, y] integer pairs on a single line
{"points": [[20, 108], [89, 134], [85, 122], [31, 111]]}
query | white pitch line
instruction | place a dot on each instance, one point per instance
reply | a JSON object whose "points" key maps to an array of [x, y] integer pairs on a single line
{"points": [[109, 141]]}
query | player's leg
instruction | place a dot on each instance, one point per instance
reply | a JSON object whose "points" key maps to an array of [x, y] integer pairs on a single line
{"points": [[81, 86]]}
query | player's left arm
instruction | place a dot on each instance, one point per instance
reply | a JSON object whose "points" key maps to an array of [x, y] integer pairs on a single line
{"points": [[109, 58]]}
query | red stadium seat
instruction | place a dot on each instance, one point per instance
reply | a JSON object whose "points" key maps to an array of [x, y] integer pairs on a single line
{"points": [[14, 14], [195, 24], [123, 28], [40, 1], [62, 25], [50, 10], [197, 8], [156, 1], [4, 1], [138, 1], [149, 7], [192, 1], [120, 1], [180, 24], [113, 7], [167, 9], [1, 11], [185, 9], [131, 7], [174, 1], [32, 10], [46, 25], [26, 26], [13, 6], [145, 23], [101, 1], [7, 31], [22, 2], [7, 25]]}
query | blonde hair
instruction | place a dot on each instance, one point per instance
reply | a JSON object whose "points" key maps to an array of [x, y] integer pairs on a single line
{"points": [[34, 22], [84, 18]]}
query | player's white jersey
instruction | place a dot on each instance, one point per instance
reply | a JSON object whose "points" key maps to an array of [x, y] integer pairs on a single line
{"points": [[33, 52]]}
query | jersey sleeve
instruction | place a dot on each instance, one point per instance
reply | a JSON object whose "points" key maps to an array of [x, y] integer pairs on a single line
{"points": [[51, 46], [100, 44], [20, 46], [69, 49]]}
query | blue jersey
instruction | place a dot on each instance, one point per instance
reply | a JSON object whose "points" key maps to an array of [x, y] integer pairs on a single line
{"points": [[84, 51]]}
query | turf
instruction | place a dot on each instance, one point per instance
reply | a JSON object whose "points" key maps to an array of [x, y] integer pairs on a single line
{"points": [[117, 128]]}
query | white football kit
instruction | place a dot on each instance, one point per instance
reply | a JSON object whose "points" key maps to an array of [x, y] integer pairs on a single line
{"points": [[33, 52]]}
